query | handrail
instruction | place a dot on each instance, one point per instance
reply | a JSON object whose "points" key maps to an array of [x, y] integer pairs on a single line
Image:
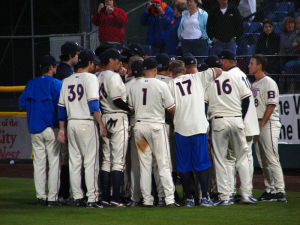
{"points": [[12, 88]]}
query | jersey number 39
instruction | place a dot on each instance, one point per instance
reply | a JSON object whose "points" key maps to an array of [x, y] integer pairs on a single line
{"points": [[72, 94]]}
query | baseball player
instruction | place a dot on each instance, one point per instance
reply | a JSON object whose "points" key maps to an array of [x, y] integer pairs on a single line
{"points": [[245, 165], [266, 95], [150, 97], [190, 125], [113, 100], [79, 104], [40, 98], [163, 61], [228, 100]]}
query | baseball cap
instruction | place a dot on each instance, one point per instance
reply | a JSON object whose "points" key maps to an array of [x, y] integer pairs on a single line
{"points": [[86, 55], [137, 68], [137, 49], [173, 58], [97, 61], [189, 59], [111, 53], [149, 63], [156, 1], [212, 61], [47, 60], [226, 54], [70, 47], [163, 61]]}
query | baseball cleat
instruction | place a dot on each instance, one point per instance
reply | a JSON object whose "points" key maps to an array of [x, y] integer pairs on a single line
{"points": [[189, 202], [105, 204], [281, 197], [223, 202], [161, 202], [79, 203], [173, 205], [94, 205], [54, 203], [267, 197], [248, 200], [206, 202], [133, 204], [117, 204], [41, 202]]}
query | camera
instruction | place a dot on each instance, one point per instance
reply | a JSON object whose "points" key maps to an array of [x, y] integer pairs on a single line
{"points": [[154, 4]]}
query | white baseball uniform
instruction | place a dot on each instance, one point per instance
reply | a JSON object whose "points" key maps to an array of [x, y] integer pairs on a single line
{"points": [[83, 139], [245, 165], [265, 92], [150, 97], [114, 146], [224, 99]]}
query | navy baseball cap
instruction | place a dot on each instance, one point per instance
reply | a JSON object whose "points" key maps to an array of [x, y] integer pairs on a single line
{"points": [[136, 49], [137, 68], [47, 60], [149, 63], [189, 59], [111, 53], [97, 61], [212, 61], [226, 54], [86, 55], [163, 61], [70, 48], [172, 58]]}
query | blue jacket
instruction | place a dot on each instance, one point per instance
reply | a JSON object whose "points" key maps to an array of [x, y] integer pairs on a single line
{"points": [[202, 17], [40, 99], [156, 34], [171, 27]]}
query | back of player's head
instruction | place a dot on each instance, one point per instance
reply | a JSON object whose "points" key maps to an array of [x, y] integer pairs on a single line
{"points": [[261, 60], [45, 62], [84, 57], [163, 61], [134, 58], [136, 49], [212, 61], [149, 64], [69, 48], [177, 67], [111, 53], [227, 54], [189, 60], [137, 68]]}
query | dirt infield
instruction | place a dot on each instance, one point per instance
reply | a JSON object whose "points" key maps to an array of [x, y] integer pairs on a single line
{"points": [[25, 170]]}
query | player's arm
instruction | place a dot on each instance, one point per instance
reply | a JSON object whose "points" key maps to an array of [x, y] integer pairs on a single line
{"points": [[245, 106], [269, 110], [62, 117], [171, 111], [121, 104], [95, 111]]}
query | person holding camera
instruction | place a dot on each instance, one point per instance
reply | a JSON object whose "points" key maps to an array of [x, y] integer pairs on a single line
{"points": [[111, 21], [153, 17]]}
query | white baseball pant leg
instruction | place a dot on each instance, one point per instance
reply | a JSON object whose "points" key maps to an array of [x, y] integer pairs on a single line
{"points": [[45, 144], [154, 136], [84, 147], [267, 147]]}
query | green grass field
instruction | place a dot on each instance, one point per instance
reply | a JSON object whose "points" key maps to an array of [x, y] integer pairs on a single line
{"points": [[17, 206]]}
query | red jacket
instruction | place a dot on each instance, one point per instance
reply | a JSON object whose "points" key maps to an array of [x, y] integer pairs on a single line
{"points": [[111, 26]]}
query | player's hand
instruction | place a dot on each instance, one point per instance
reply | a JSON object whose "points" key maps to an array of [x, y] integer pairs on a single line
{"points": [[149, 4], [122, 71], [103, 131], [109, 9], [218, 71], [61, 136], [100, 7], [256, 137]]}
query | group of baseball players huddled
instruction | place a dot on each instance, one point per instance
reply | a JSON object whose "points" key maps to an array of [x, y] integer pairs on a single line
{"points": [[139, 117]]}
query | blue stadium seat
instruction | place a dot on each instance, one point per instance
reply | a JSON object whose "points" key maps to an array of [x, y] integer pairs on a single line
{"points": [[147, 49], [277, 27], [246, 27], [280, 15], [285, 6], [251, 49], [255, 27]]}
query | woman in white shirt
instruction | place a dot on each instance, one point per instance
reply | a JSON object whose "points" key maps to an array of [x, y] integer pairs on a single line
{"points": [[192, 29]]}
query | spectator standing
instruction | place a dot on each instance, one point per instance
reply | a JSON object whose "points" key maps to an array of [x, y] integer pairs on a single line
{"points": [[287, 36], [224, 26], [153, 17], [69, 58], [268, 43], [192, 29], [40, 99], [111, 21], [171, 26]]}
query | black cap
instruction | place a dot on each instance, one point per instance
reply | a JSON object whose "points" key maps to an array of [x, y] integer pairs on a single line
{"points": [[212, 61], [189, 59], [149, 63], [163, 61], [85, 56], [111, 53], [47, 60], [172, 58], [137, 68], [226, 54], [70, 48], [137, 49], [202, 67], [97, 61]]}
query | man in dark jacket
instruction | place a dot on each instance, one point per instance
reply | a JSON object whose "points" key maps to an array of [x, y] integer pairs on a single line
{"points": [[224, 26]]}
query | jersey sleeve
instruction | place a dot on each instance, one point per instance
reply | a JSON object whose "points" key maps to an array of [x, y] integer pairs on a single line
{"points": [[130, 103], [271, 93], [171, 88], [243, 89], [61, 101], [115, 87], [92, 88], [168, 100], [206, 77]]}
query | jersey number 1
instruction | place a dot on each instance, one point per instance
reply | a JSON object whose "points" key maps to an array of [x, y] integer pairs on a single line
{"points": [[144, 96]]}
